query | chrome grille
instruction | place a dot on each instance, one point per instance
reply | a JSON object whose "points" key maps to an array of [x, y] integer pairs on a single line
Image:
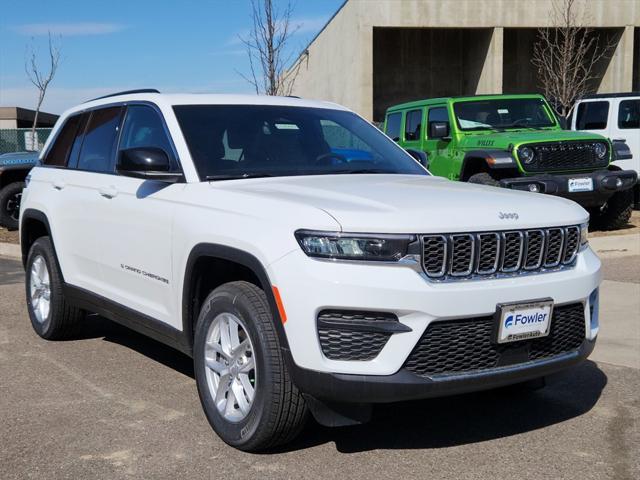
{"points": [[464, 255]]}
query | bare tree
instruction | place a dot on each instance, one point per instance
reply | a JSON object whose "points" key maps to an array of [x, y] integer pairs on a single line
{"points": [[41, 78], [566, 57], [266, 46]]}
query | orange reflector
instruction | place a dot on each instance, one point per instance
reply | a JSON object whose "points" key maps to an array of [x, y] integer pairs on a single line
{"points": [[283, 314]]}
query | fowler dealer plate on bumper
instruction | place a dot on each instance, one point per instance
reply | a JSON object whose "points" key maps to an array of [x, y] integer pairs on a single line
{"points": [[523, 321], [580, 184]]}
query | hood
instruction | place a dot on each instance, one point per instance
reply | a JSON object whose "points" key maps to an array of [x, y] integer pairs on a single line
{"points": [[413, 203], [502, 140]]}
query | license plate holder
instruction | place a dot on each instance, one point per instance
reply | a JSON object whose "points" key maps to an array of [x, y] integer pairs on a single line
{"points": [[580, 184], [519, 321]]}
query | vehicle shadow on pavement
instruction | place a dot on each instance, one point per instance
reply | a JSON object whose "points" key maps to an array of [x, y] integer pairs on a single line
{"points": [[424, 424], [465, 419]]}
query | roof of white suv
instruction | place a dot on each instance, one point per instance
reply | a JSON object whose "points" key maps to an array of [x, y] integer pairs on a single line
{"points": [[203, 99]]}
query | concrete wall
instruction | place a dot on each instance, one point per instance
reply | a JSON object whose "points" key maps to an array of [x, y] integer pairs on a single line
{"points": [[340, 62]]}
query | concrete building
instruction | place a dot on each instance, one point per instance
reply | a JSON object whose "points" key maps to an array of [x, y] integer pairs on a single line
{"points": [[376, 53], [16, 117]]}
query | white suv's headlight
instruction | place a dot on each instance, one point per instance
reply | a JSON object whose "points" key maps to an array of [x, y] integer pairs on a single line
{"points": [[352, 246], [584, 235]]}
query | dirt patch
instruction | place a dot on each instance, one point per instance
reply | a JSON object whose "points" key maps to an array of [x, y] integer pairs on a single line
{"points": [[8, 237], [632, 227]]}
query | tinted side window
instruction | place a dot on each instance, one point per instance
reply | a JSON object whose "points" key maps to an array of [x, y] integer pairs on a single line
{"points": [[99, 140], [437, 114], [413, 125], [77, 142], [393, 126], [59, 152], [629, 114], [592, 116]]}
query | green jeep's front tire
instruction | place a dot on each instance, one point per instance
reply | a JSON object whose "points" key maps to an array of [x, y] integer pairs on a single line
{"points": [[484, 178], [616, 212]]}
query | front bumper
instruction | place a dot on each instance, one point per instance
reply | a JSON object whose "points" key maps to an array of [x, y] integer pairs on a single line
{"points": [[605, 184], [404, 385], [308, 286]]}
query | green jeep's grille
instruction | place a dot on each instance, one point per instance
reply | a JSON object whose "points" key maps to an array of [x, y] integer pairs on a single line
{"points": [[563, 156]]}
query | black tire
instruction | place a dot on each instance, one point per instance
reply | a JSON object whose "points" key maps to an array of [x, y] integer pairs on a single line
{"points": [[484, 178], [63, 320], [10, 197], [278, 411], [616, 212]]}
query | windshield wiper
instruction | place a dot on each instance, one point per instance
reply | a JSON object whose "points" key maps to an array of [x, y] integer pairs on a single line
{"points": [[237, 176], [359, 170]]}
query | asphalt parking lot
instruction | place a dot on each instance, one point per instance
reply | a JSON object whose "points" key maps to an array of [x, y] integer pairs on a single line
{"points": [[114, 404]]}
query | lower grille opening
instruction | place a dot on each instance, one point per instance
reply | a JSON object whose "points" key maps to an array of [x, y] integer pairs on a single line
{"points": [[349, 335], [463, 346]]}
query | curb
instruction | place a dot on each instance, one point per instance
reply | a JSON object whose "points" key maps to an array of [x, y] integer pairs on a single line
{"points": [[616, 245], [10, 250]]}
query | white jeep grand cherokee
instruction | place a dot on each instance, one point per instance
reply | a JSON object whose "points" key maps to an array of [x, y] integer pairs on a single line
{"points": [[304, 260]]}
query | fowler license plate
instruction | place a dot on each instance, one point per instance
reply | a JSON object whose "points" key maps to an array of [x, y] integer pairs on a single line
{"points": [[581, 184], [522, 321]]}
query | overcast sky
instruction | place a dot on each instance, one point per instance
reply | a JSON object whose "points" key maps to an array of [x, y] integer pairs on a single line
{"points": [[186, 46]]}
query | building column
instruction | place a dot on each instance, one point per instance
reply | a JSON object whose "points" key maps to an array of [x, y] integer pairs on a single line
{"points": [[619, 74], [491, 75]]}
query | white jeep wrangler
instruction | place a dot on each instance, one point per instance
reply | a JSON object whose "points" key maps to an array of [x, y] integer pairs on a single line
{"points": [[304, 260]]}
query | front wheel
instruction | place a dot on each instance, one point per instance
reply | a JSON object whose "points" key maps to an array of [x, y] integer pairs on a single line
{"points": [[242, 378], [616, 212]]}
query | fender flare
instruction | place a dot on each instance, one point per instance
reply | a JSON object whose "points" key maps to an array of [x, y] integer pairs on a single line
{"points": [[241, 257], [38, 215], [493, 159]]}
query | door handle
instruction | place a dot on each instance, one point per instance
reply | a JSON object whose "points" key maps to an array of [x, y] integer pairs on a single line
{"points": [[58, 184], [108, 192]]}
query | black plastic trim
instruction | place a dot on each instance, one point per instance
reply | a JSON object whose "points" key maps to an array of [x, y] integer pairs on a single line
{"points": [[361, 325], [484, 155], [240, 257], [128, 317], [32, 214], [404, 385]]}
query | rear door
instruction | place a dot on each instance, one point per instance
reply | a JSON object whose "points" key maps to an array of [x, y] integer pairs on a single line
{"points": [[89, 169], [136, 225]]}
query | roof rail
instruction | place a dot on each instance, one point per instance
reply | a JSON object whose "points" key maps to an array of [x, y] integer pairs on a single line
{"points": [[126, 92]]}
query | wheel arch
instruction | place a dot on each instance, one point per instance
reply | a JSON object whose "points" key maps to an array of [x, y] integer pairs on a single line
{"points": [[33, 225], [477, 161], [233, 264]]}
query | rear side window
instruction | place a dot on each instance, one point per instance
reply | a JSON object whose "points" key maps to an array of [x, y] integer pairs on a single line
{"points": [[393, 126], [629, 114], [592, 116], [58, 154], [413, 125], [99, 140]]}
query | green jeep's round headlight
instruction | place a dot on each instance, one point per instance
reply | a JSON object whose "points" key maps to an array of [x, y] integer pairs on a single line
{"points": [[526, 154], [600, 149]]}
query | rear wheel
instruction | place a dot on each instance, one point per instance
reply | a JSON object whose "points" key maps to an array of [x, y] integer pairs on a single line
{"points": [[52, 317], [10, 197], [243, 381], [484, 178], [616, 212]]}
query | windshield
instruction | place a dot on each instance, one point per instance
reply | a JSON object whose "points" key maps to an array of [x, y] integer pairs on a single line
{"points": [[502, 113], [243, 141]]}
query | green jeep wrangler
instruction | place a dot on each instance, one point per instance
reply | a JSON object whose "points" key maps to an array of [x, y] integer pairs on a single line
{"points": [[516, 141]]}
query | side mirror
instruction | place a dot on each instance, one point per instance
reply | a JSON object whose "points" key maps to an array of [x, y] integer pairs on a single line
{"points": [[148, 163], [419, 156], [439, 130]]}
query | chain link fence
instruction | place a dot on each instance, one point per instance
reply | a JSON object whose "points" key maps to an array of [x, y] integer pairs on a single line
{"points": [[21, 139]]}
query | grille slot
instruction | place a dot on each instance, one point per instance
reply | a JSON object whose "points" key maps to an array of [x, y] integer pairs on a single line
{"points": [[460, 255], [461, 346], [553, 251], [558, 156], [571, 244], [535, 249]]}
